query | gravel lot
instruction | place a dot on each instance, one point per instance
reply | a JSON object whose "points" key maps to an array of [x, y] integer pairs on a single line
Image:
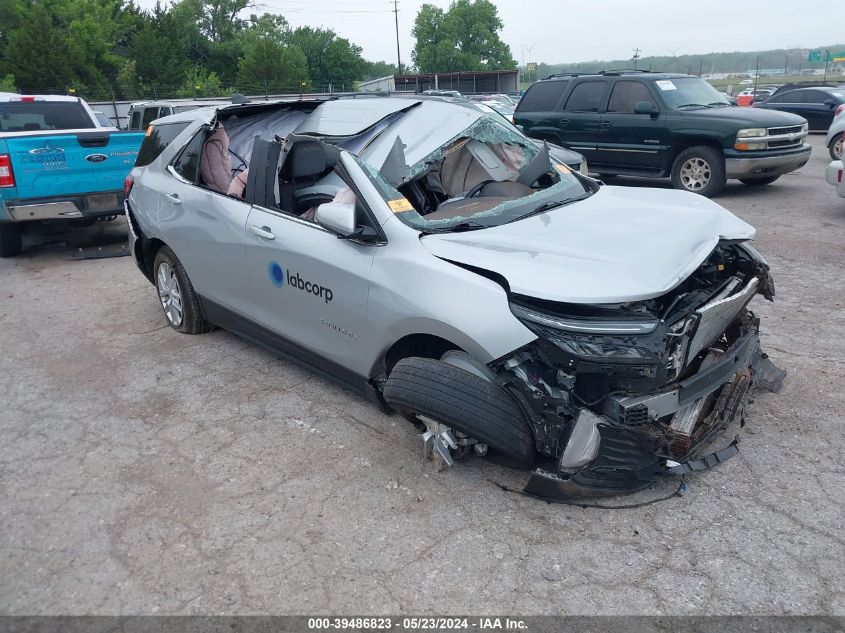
{"points": [[144, 471]]}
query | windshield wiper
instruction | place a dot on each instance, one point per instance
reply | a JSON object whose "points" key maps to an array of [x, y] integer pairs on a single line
{"points": [[713, 104], [468, 226], [553, 204], [692, 105]]}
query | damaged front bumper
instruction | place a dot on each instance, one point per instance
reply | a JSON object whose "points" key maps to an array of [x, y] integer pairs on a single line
{"points": [[631, 442]]}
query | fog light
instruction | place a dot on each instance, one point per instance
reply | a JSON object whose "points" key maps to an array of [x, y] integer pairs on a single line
{"points": [[583, 445]]}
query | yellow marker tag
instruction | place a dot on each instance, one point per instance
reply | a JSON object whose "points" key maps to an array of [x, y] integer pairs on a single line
{"points": [[721, 267], [400, 205], [563, 169]]}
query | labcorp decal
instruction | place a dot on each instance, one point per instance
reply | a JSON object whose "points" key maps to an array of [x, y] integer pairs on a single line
{"points": [[279, 277]]}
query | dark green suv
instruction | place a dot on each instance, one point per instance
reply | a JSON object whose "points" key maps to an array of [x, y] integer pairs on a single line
{"points": [[663, 125]]}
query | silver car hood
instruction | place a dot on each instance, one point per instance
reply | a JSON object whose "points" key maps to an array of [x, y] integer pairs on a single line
{"points": [[619, 245]]}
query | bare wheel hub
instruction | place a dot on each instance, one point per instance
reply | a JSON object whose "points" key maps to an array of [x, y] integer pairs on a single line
{"points": [[445, 444]]}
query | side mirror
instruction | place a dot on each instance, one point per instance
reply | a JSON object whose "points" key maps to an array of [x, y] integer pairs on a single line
{"points": [[645, 107], [338, 217]]}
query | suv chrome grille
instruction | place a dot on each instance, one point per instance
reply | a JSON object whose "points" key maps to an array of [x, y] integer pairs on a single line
{"points": [[792, 129]]}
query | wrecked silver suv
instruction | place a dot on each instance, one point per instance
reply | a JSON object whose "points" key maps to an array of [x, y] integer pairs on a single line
{"points": [[429, 255]]}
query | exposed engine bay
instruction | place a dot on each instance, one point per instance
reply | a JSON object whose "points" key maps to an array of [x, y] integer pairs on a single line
{"points": [[618, 395]]}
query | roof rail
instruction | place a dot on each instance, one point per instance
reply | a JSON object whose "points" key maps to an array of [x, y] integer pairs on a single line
{"points": [[553, 75], [621, 71]]}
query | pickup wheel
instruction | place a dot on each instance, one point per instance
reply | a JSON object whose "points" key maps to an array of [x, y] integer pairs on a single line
{"points": [[758, 182], [835, 147], [463, 401], [180, 303], [10, 239], [699, 169]]}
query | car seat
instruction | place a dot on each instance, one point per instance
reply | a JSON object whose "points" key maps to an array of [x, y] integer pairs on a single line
{"points": [[215, 162], [306, 162]]}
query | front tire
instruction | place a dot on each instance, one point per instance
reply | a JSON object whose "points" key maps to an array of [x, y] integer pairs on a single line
{"points": [[177, 296], [11, 243], [758, 182], [836, 145], [700, 169], [463, 401]]}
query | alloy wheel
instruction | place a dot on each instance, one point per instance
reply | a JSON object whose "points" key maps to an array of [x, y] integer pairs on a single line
{"points": [[695, 174], [169, 293]]}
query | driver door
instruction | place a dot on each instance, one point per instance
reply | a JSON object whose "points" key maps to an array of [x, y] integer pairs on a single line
{"points": [[309, 288]]}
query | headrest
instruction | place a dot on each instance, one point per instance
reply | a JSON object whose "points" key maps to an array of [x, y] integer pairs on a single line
{"points": [[304, 159]]}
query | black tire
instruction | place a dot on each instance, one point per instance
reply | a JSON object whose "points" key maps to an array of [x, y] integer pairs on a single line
{"points": [[758, 182], [10, 239], [710, 160], [463, 401], [838, 139], [193, 321]]}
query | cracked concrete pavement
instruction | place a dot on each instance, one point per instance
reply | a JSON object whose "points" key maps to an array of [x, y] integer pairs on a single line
{"points": [[144, 471]]}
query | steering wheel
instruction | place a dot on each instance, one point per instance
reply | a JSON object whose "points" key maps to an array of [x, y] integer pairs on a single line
{"points": [[241, 164], [472, 193]]}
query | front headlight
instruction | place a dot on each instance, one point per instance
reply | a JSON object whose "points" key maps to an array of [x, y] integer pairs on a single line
{"points": [[753, 132], [583, 170], [592, 340], [805, 128]]}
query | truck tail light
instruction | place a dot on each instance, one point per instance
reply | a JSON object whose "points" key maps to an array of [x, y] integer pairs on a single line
{"points": [[127, 184], [7, 176]]}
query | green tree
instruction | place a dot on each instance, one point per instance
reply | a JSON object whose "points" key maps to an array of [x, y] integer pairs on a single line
{"points": [[465, 37], [38, 54], [331, 59], [377, 70], [159, 52], [7, 84], [268, 64]]}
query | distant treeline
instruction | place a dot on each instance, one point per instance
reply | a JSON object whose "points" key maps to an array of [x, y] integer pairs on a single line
{"points": [[793, 59]]}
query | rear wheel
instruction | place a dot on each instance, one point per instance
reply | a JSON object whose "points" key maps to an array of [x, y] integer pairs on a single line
{"points": [[178, 300], [456, 398], [10, 239], [699, 169], [835, 146], [758, 182]]}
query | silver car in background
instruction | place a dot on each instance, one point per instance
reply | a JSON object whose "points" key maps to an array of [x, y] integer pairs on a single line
{"points": [[430, 256], [835, 138]]}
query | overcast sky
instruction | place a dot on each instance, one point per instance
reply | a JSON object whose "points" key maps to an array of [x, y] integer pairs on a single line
{"points": [[573, 31]]}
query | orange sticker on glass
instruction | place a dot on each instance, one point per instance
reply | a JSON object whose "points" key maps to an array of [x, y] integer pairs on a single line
{"points": [[563, 169], [400, 205]]}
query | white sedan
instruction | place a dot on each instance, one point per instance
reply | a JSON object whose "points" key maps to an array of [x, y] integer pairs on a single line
{"points": [[835, 177]]}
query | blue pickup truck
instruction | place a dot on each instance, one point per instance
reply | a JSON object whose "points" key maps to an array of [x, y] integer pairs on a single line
{"points": [[57, 162]]}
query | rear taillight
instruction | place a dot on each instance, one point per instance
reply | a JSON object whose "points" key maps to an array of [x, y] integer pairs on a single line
{"points": [[840, 109], [127, 184], [7, 176], [839, 176]]}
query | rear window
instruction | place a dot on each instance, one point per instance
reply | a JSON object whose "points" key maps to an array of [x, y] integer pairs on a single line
{"points": [[157, 140], [542, 96], [586, 97], [25, 116]]}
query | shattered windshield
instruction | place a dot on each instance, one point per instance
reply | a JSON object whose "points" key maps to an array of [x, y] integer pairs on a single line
{"points": [[487, 175]]}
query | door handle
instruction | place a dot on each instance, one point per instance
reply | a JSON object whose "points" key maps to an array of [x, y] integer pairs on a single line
{"points": [[606, 124], [173, 197], [262, 231], [563, 122]]}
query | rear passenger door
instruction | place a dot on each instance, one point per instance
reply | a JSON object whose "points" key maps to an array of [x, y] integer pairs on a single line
{"points": [[633, 142], [579, 119], [538, 112]]}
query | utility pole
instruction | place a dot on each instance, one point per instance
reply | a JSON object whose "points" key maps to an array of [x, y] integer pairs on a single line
{"points": [[636, 57], [396, 16]]}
